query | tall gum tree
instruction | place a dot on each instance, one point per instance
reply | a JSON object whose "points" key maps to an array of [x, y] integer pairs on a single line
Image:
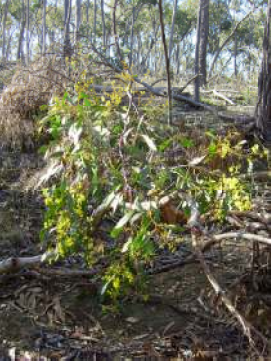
{"points": [[4, 30], [203, 38], [263, 108], [201, 46]]}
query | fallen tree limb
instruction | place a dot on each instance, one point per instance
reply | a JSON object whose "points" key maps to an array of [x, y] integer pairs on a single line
{"points": [[158, 80], [242, 235], [244, 119], [152, 89], [15, 263], [221, 295], [176, 97], [221, 96], [67, 272], [189, 82], [196, 234], [259, 216]]}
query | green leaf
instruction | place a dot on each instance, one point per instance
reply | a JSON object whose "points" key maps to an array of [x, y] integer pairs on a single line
{"points": [[187, 143], [164, 145], [211, 135], [87, 103], [42, 150], [122, 222], [212, 148]]}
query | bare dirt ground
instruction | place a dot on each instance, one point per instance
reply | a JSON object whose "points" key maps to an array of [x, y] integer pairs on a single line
{"points": [[48, 317]]}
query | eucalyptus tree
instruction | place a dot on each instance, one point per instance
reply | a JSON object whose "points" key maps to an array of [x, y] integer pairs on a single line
{"points": [[44, 26], [263, 108], [27, 31], [201, 46], [77, 20], [167, 61], [103, 24], [67, 17], [20, 52], [94, 22], [4, 30], [203, 39], [170, 47]]}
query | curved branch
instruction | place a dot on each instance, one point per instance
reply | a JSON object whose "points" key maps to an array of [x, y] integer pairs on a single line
{"points": [[226, 42]]}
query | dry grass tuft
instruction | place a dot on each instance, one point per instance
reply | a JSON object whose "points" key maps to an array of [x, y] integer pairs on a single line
{"points": [[30, 88]]}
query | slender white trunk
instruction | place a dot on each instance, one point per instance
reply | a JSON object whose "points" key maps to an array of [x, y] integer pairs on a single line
{"points": [[77, 20], [44, 27], [170, 47], [94, 21], [4, 30], [27, 32], [103, 22]]}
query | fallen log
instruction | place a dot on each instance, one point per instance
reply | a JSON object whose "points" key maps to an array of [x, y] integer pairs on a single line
{"points": [[14, 264], [244, 119]]}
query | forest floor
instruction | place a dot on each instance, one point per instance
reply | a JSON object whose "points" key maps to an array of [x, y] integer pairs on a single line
{"points": [[44, 316]]}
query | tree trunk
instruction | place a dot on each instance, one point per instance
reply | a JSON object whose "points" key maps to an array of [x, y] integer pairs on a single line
{"points": [[138, 51], [21, 35], [27, 32], [170, 47], [4, 30], [132, 39], [67, 45], [52, 32], [8, 45], [44, 27], [103, 24], [197, 81], [178, 59], [116, 36], [87, 15], [263, 108], [167, 62], [77, 21], [235, 56], [94, 22], [204, 32]]}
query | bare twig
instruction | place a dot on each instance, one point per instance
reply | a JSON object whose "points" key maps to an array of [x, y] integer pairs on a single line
{"points": [[196, 234]]}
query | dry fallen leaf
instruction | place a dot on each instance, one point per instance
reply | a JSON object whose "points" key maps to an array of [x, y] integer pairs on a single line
{"points": [[132, 320]]}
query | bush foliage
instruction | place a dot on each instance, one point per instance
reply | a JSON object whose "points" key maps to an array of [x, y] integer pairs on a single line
{"points": [[122, 181]]}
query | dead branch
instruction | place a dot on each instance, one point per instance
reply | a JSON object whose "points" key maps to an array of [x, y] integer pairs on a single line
{"points": [[13, 264], [196, 233], [242, 235], [158, 81], [67, 272], [227, 40], [243, 119], [221, 295], [151, 89], [189, 82], [262, 217], [221, 96]]}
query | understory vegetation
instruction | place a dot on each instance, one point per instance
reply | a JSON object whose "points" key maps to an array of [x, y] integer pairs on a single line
{"points": [[125, 186], [124, 165], [135, 194]]}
